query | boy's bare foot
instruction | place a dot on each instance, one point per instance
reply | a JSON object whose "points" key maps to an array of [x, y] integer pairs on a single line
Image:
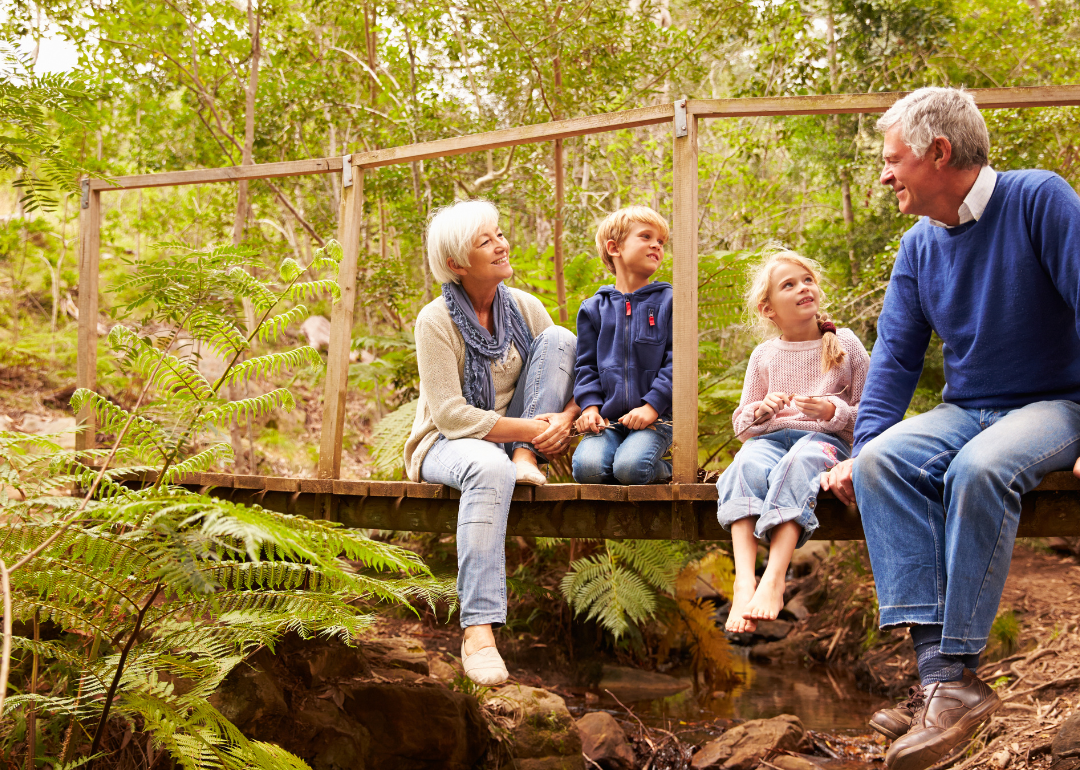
{"points": [[737, 621], [768, 599]]}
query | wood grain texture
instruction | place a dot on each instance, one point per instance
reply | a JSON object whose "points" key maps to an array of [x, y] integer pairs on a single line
{"points": [[350, 216], [227, 174], [86, 361], [684, 239], [507, 137], [828, 104]]}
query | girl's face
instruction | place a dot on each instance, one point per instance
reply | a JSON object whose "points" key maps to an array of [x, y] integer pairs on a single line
{"points": [[794, 296]]}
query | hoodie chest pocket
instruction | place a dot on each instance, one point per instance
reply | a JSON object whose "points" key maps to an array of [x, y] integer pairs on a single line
{"points": [[648, 327]]}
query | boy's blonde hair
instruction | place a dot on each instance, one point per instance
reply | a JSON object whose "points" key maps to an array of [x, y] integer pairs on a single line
{"points": [[616, 226], [832, 355]]}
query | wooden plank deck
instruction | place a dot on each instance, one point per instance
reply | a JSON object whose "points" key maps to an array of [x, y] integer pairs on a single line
{"points": [[657, 511]]}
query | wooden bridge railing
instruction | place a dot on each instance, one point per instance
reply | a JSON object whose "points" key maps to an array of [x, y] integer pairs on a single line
{"points": [[683, 116]]}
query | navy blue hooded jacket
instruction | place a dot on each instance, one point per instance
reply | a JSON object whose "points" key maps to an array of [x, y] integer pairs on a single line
{"points": [[624, 356]]}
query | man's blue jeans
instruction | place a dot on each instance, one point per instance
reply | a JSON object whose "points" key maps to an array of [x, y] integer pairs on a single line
{"points": [[618, 455], [485, 475], [776, 478], [940, 501]]}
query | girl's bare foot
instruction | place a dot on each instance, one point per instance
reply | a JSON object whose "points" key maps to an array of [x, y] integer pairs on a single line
{"points": [[768, 599], [737, 620]]}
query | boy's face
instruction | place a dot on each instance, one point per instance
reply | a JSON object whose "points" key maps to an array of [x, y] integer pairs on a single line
{"points": [[641, 253]]}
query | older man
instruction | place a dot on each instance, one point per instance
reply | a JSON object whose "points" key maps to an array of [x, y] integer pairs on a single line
{"points": [[993, 267]]}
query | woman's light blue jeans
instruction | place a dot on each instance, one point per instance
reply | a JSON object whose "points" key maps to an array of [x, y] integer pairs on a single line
{"points": [[776, 478], [940, 501], [619, 455], [484, 473]]}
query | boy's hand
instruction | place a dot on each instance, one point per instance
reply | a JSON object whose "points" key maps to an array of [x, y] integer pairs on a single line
{"points": [[816, 408], [772, 404], [1076, 469], [639, 418], [590, 421]]}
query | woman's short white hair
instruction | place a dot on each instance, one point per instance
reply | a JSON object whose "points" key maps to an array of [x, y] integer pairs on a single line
{"points": [[450, 234], [928, 113]]}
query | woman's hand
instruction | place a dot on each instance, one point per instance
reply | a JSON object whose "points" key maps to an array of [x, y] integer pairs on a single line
{"points": [[642, 417], [815, 408], [590, 421], [772, 404], [555, 439]]}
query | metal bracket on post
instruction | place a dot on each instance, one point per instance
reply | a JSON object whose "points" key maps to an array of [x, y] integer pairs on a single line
{"points": [[85, 185], [680, 118], [346, 171]]}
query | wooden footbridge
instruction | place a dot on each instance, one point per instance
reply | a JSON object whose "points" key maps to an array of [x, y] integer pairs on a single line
{"points": [[681, 510]]}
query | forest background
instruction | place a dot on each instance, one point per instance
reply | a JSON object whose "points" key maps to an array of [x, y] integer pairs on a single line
{"points": [[181, 84]]}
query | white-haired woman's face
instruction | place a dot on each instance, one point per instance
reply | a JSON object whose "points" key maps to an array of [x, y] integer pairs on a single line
{"points": [[489, 257]]}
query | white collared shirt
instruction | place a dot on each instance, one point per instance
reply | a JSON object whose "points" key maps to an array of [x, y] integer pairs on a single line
{"points": [[975, 201]]}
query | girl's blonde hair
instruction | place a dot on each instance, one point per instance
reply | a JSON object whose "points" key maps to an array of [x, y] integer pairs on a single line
{"points": [[832, 354]]}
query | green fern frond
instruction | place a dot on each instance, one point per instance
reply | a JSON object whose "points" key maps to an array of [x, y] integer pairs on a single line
{"points": [[234, 412], [289, 270], [657, 561], [272, 363], [306, 291], [243, 284], [217, 333], [273, 327], [389, 437], [203, 461], [112, 418]]}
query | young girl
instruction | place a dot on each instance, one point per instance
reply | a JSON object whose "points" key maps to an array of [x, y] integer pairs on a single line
{"points": [[797, 415]]}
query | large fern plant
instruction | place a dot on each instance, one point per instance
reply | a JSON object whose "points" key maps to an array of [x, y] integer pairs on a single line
{"points": [[165, 590]]}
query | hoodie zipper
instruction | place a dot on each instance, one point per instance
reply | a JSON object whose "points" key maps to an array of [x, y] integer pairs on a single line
{"points": [[626, 356]]}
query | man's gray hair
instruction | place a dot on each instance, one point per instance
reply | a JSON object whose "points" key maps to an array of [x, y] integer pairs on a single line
{"points": [[928, 113], [450, 235]]}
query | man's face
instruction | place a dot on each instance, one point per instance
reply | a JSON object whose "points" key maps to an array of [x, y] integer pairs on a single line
{"points": [[914, 180]]}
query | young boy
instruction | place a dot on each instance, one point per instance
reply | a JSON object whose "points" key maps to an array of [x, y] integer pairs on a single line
{"points": [[623, 379]]}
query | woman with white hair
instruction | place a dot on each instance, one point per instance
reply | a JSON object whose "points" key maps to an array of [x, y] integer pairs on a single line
{"points": [[496, 393]]}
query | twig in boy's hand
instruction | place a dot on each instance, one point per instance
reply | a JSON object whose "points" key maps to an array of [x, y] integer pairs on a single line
{"points": [[574, 432]]}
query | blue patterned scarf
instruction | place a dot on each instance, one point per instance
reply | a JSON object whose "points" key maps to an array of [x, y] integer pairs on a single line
{"points": [[481, 347]]}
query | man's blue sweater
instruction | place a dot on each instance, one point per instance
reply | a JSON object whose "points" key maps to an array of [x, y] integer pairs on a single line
{"points": [[1003, 293]]}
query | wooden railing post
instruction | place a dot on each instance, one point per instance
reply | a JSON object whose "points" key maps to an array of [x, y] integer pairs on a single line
{"points": [[350, 215], [560, 278], [89, 257], [684, 239]]}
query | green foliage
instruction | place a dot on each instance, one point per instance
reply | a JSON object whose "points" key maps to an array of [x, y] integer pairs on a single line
{"points": [[27, 102], [620, 584], [388, 440], [172, 589], [1005, 633]]}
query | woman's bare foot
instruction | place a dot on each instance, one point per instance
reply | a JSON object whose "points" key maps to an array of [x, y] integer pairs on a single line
{"points": [[768, 599], [737, 621]]}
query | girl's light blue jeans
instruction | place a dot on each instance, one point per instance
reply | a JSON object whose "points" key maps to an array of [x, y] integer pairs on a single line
{"points": [[484, 474], [940, 500], [776, 478], [619, 455]]}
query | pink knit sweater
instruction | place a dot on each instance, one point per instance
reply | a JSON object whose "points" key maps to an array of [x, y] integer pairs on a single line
{"points": [[795, 367]]}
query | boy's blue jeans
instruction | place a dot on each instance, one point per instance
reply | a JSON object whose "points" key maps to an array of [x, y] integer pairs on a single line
{"points": [[940, 501], [619, 455], [776, 477], [485, 475]]}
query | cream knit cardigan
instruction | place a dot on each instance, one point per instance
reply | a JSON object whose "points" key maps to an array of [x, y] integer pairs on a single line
{"points": [[440, 357]]}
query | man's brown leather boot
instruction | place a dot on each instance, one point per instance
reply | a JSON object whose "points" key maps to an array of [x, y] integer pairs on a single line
{"points": [[896, 721], [949, 716]]}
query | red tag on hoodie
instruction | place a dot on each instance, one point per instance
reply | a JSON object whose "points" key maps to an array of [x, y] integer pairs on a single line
{"points": [[652, 321], [628, 307]]}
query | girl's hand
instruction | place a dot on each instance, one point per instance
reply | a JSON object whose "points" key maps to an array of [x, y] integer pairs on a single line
{"points": [[772, 404], [639, 418], [816, 408], [590, 421], [556, 437]]}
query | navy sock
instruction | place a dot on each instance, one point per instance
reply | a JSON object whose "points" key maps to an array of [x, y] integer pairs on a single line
{"points": [[933, 665]]}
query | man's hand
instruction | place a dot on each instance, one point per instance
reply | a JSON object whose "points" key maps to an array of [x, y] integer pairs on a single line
{"points": [[815, 408], [838, 481], [772, 404], [590, 421], [639, 418], [556, 437], [1076, 469]]}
